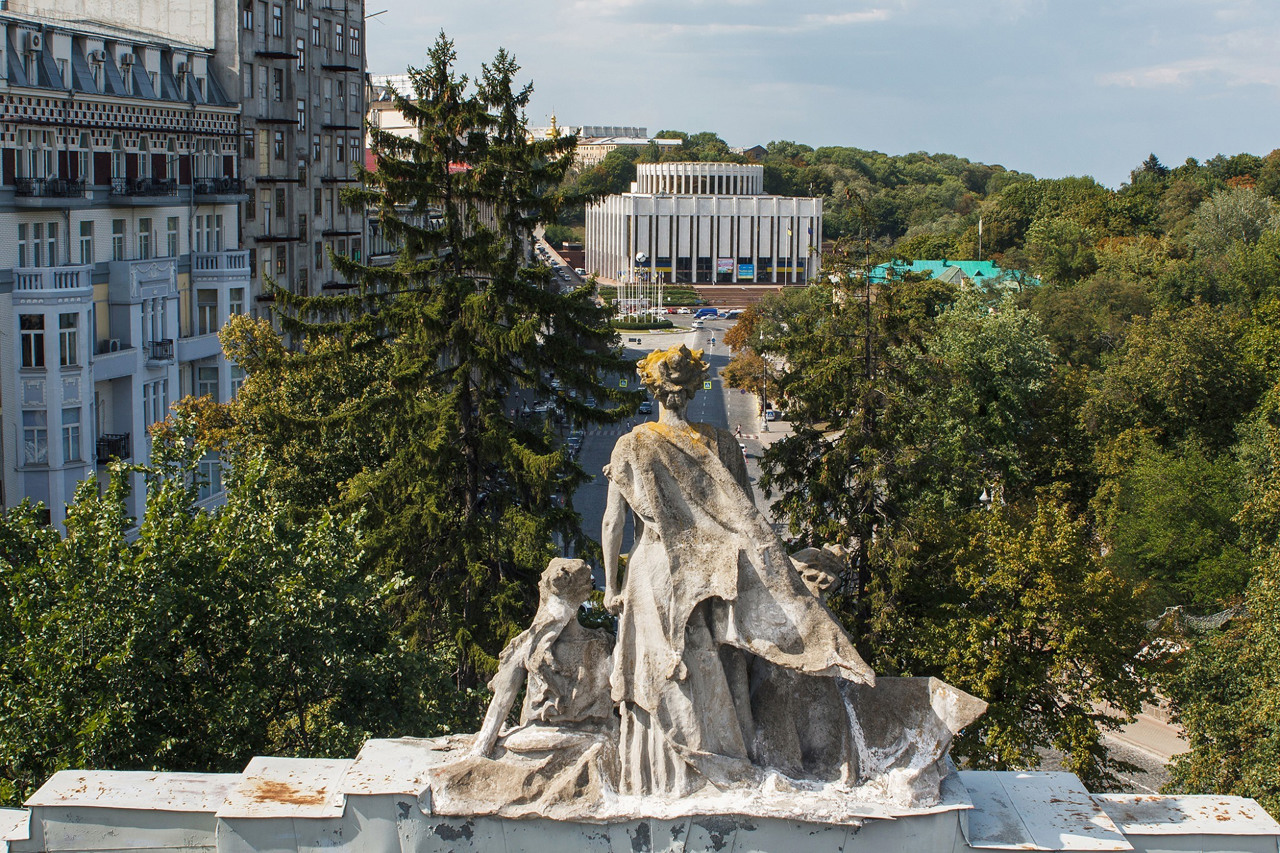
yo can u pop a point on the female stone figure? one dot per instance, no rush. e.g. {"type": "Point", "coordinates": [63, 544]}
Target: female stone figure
{"type": "Point", "coordinates": [708, 591]}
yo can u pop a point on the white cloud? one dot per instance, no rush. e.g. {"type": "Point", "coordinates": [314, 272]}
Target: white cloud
{"type": "Point", "coordinates": [1241, 58]}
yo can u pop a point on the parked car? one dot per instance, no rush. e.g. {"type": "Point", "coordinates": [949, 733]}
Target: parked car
{"type": "Point", "coordinates": [771, 414]}
{"type": "Point", "coordinates": [706, 312]}
{"type": "Point", "coordinates": [580, 271]}
{"type": "Point", "coordinates": [683, 311]}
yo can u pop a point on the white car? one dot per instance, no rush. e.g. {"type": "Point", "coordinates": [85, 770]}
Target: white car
{"type": "Point", "coordinates": [699, 324]}
{"type": "Point", "coordinates": [683, 311]}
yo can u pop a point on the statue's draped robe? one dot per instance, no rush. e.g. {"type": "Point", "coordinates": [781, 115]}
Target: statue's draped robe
{"type": "Point", "coordinates": [707, 576]}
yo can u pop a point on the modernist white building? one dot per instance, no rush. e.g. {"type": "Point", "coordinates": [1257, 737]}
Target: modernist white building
{"type": "Point", "coordinates": [704, 223]}
{"type": "Point", "coordinates": [119, 247]}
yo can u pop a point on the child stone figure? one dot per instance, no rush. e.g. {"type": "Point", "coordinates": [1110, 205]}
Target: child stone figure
{"type": "Point", "coordinates": [566, 666]}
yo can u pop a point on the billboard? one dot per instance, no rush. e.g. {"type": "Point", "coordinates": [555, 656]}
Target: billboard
{"type": "Point", "coordinates": [724, 266]}
{"type": "Point", "coordinates": [746, 270]}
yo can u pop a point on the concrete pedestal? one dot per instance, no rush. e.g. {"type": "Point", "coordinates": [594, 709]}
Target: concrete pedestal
{"type": "Point", "coordinates": [381, 801]}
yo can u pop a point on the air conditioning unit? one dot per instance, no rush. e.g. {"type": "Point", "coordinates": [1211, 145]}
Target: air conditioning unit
{"type": "Point", "coordinates": [181, 69]}
{"type": "Point", "coordinates": [126, 59]}
{"type": "Point", "coordinates": [35, 42]}
{"type": "Point", "coordinates": [113, 345]}
{"type": "Point", "coordinates": [97, 56]}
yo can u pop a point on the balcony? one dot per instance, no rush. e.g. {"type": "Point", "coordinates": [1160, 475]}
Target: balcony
{"type": "Point", "coordinates": [219, 189]}
{"type": "Point", "coordinates": [144, 190]}
{"type": "Point", "coordinates": [160, 351]}
{"type": "Point", "coordinates": [49, 192]}
{"type": "Point", "coordinates": [54, 281]}
{"type": "Point", "coordinates": [113, 446]}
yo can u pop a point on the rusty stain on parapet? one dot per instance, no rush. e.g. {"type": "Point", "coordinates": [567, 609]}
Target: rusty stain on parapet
{"type": "Point", "coordinates": [287, 788]}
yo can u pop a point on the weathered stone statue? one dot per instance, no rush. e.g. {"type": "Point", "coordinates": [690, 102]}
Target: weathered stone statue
{"type": "Point", "coordinates": [564, 748]}
{"type": "Point", "coordinates": [708, 591]}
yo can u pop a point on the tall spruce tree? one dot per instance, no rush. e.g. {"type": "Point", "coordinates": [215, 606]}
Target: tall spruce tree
{"type": "Point", "coordinates": [467, 496]}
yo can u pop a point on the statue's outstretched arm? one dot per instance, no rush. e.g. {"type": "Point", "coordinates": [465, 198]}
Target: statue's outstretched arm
{"type": "Point", "coordinates": [505, 686]}
{"type": "Point", "coordinates": [615, 517]}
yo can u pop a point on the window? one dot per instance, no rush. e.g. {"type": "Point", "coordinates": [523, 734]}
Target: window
{"type": "Point", "coordinates": [210, 477]}
{"type": "Point", "coordinates": [280, 203]}
{"type": "Point", "coordinates": [315, 32]}
{"type": "Point", "coordinates": [278, 148]}
{"type": "Point", "coordinates": [282, 261]}
{"type": "Point", "coordinates": [315, 147]}
{"type": "Point", "coordinates": [216, 244]}
{"type": "Point", "coordinates": [251, 208]}
{"type": "Point", "coordinates": [199, 233]}
{"type": "Point", "coordinates": [337, 38]}
{"type": "Point", "coordinates": [246, 18]}
{"type": "Point", "coordinates": [22, 243]}
{"type": "Point", "coordinates": [155, 400]}
{"type": "Point", "coordinates": [117, 239]}
{"type": "Point", "coordinates": [144, 238]}
{"type": "Point", "coordinates": [355, 249]}
{"type": "Point", "coordinates": [68, 340]}
{"type": "Point", "coordinates": [51, 242]}
{"type": "Point", "coordinates": [302, 115]}
{"type": "Point", "coordinates": [339, 151]}
{"type": "Point", "coordinates": [235, 300]}
{"type": "Point", "coordinates": [277, 84]}
{"type": "Point", "coordinates": [300, 46]}
{"type": "Point", "coordinates": [32, 327]}
{"type": "Point", "coordinates": [171, 237]}
{"type": "Point", "coordinates": [35, 438]}
{"type": "Point", "coordinates": [237, 378]}
{"type": "Point", "coordinates": [246, 80]}
{"type": "Point", "coordinates": [355, 41]}
{"type": "Point", "coordinates": [319, 255]}
{"type": "Point", "coordinates": [317, 195]}
{"type": "Point", "coordinates": [207, 382]}
{"type": "Point", "coordinates": [86, 242]}
{"type": "Point", "coordinates": [71, 435]}
{"type": "Point", "coordinates": [277, 21]}
{"type": "Point", "coordinates": [249, 152]}
{"type": "Point", "coordinates": [301, 5]}
{"type": "Point", "coordinates": [253, 262]}
{"type": "Point", "coordinates": [206, 313]}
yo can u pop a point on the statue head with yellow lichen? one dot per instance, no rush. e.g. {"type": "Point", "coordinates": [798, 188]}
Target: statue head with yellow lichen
{"type": "Point", "coordinates": [673, 375]}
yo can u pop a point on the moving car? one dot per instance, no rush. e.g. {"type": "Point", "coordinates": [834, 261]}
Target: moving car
{"type": "Point", "coordinates": [706, 312]}
{"type": "Point", "coordinates": [646, 408]}
{"type": "Point", "coordinates": [699, 324]}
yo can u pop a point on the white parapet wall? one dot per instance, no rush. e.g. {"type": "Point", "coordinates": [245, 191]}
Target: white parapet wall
{"type": "Point", "coordinates": [381, 801]}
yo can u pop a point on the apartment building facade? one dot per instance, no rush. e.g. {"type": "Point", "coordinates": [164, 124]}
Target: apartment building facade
{"type": "Point", "coordinates": [299, 65]}
{"type": "Point", "coordinates": [120, 257]}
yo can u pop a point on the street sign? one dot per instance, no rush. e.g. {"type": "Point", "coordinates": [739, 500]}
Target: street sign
{"type": "Point", "coordinates": [622, 383]}
{"type": "Point", "coordinates": [706, 385]}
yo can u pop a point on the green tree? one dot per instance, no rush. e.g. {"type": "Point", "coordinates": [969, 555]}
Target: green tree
{"type": "Point", "coordinates": [1014, 605]}
{"type": "Point", "coordinates": [1178, 375]}
{"type": "Point", "coordinates": [1232, 214]}
{"type": "Point", "coordinates": [1060, 250]}
{"type": "Point", "coordinates": [197, 639]}
{"type": "Point", "coordinates": [463, 501]}
{"type": "Point", "coordinates": [1170, 521]}
{"type": "Point", "coordinates": [1225, 688]}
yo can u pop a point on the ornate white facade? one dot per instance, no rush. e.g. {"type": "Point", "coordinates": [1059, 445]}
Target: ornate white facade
{"type": "Point", "coordinates": [704, 223]}
{"type": "Point", "coordinates": [120, 258]}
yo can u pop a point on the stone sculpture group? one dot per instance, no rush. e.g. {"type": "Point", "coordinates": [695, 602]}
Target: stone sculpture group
{"type": "Point", "coordinates": [728, 673]}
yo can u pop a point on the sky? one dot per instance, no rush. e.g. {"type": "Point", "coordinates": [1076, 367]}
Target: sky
{"type": "Point", "coordinates": [1050, 87]}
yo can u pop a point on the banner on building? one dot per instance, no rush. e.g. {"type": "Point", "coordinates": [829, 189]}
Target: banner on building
{"type": "Point", "coordinates": [746, 270]}
{"type": "Point", "coordinates": [724, 266]}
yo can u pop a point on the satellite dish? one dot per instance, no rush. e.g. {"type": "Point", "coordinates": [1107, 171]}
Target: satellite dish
{"type": "Point", "coordinates": [641, 258]}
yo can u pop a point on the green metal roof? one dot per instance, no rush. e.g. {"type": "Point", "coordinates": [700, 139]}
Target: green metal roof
{"type": "Point", "coordinates": [982, 274]}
